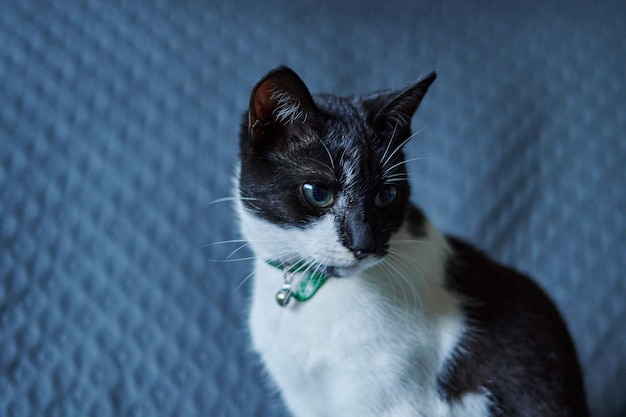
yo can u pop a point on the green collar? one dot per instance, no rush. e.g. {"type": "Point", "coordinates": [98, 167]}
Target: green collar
{"type": "Point", "coordinates": [305, 288]}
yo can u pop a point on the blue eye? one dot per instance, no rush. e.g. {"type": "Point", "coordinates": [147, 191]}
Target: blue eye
{"type": "Point", "coordinates": [386, 197]}
{"type": "Point", "coordinates": [318, 195]}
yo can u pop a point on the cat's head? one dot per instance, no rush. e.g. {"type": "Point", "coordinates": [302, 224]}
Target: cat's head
{"type": "Point", "coordinates": [322, 177]}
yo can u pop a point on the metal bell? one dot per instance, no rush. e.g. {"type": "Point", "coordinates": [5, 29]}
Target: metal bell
{"type": "Point", "coordinates": [283, 295]}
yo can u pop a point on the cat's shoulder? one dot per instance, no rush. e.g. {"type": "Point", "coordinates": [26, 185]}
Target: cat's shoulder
{"type": "Point", "coordinates": [473, 273]}
{"type": "Point", "coordinates": [515, 337]}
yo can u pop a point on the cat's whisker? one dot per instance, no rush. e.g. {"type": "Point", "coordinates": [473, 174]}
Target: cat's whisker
{"type": "Point", "coordinates": [330, 157]}
{"type": "Point", "coordinates": [413, 264]}
{"type": "Point", "coordinates": [311, 264]}
{"type": "Point", "coordinates": [248, 258]}
{"type": "Point", "coordinates": [227, 199]}
{"type": "Point", "coordinates": [224, 242]}
{"type": "Point", "coordinates": [399, 147]}
{"type": "Point", "coordinates": [237, 250]}
{"type": "Point", "coordinates": [393, 135]}
{"type": "Point", "coordinates": [255, 208]}
{"type": "Point", "coordinates": [397, 175]}
{"type": "Point", "coordinates": [294, 259]}
{"type": "Point", "coordinates": [384, 272]}
{"type": "Point", "coordinates": [406, 161]}
{"type": "Point", "coordinates": [251, 241]}
{"type": "Point", "coordinates": [394, 273]}
{"type": "Point", "coordinates": [321, 163]}
{"type": "Point", "coordinates": [298, 259]}
{"type": "Point", "coordinates": [398, 178]}
{"type": "Point", "coordinates": [314, 266]}
{"type": "Point", "coordinates": [398, 272]}
{"type": "Point", "coordinates": [246, 279]}
{"type": "Point", "coordinates": [415, 241]}
{"type": "Point", "coordinates": [343, 154]}
{"type": "Point", "coordinates": [396, 181]}
{"type": "Point", "coordinates": [394, 263]}
{"type": "Point", "coordinates": [270, 255]}
{"type": "Point", "coordinates": [398, 255]}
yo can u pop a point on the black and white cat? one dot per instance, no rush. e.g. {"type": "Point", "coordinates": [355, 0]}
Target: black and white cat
{"type": "Point", "coordinates": [360, 307]}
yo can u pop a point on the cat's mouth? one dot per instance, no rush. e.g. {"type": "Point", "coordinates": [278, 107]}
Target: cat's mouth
{"type": "Point", "coordinates": [339, 272]}
{"type": "Point", "coordinates": [351, 270]}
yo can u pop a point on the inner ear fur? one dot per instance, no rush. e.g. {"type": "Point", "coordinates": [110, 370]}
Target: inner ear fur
{"type": "Point", "coordinates": [400, 105]}
{"type": "Point", "coordinates": [279, 100]}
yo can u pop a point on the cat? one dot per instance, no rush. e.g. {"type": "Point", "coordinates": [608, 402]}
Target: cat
{"type": "Point", "coordinates": [360, 306]}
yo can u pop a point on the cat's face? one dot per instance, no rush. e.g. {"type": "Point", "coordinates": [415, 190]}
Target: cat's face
{"type": "Point", "coordinates": [323, 178]}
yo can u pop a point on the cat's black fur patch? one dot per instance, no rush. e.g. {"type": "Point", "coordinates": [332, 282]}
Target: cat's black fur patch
{"type": "Point", "coordinates": [517, 346]}
{"type": "Point", "coordinates": [416, 220]}
{"type": "Point", "coordinates": [352, 145]}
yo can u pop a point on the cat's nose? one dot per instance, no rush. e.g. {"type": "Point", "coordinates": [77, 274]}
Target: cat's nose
{"type": "Point", "coordinates": [358, 236]}
{"type": "Point", "coordinates": [362, 247]}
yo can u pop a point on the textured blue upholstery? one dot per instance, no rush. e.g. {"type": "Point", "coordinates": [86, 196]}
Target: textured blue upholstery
{"type": "Point", "coordinates": [118, 128]}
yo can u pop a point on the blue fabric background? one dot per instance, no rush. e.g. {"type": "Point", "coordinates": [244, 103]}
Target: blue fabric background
{"type": "Point", "coordinates": [118, 128]}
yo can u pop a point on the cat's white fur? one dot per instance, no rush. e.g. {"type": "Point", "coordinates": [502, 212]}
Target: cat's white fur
{"type": "Point", "coordinates": [365, 345]}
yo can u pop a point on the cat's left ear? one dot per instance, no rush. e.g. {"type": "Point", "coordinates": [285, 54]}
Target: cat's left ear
{"type": "Point", "coordinates": [398, 107]}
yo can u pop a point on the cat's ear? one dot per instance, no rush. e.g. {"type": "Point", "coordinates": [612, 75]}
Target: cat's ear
{"type": "Point", "coordinates": [398, 107]}
{"type": "Point", "coordinates": [280, 100]}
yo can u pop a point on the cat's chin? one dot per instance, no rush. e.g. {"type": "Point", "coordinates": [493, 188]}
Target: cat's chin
{"type": "Point", "coordinates": [354, 269]}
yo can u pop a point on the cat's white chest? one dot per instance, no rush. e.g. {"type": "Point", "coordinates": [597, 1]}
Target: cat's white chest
{"type": "Point", "coordinates": [358, 348]}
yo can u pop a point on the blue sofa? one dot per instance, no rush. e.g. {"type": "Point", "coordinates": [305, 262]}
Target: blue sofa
{"type": "Point", "coordinates": [118, 139]}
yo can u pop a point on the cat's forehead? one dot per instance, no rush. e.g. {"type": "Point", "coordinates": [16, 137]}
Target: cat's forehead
{"type": "Point", "coordinates": [348, 154]}
{"type": "Point", "coordinates": [344, 114]}
{"type": "Point", "coordinates": [344, 127]}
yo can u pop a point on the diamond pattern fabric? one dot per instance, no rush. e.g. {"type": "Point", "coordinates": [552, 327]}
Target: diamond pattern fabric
{"type": "Point", "coordinates": [118, 138]}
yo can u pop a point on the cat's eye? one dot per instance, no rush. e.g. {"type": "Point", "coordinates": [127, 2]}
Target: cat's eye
{"type": "Point", "coordinates": [318, 195]}
{"type": "Point", "coordinates": [386, 197]}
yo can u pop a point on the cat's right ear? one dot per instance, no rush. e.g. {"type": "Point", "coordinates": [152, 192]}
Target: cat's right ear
{"type": "Point", "coordinates": [398, 107]}
{"type": "Point", "coordinates": [278, 102]}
